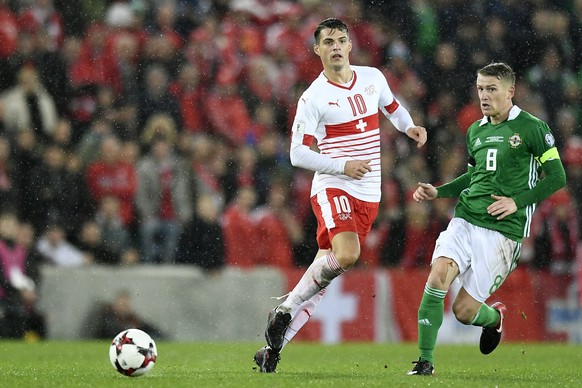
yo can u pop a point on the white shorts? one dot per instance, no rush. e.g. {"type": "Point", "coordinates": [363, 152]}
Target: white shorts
{"type": "Point", "coordinates": [485, 257]}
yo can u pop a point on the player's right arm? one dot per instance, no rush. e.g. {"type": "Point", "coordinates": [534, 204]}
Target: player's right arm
{"type": "Point", "coordinates": [453, 189]}
{"type": "Point", "coordinates": [303, 156]}
{"type": "Point", "coordinates": [303, 136]}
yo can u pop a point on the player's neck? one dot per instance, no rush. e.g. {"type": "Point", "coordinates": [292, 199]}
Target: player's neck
{"type": "Point", "coordinates": [341, 76]}
{"type": "Point", "coordinates": [500, 117]}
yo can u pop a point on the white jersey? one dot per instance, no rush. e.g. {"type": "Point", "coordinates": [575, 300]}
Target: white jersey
{"type": "Point", "coordinates": [344, 121]}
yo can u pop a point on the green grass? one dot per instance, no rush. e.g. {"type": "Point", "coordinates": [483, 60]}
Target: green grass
{"type": "Point", "coordinates": [86, 364]}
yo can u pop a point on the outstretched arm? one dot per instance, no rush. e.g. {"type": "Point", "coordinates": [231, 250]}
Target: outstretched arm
{"type": "Point", "coordinates": [403, 122]}
{"type": "Point", "coordinates": [418, 134]}
{"type": "Point", "coordinates": [424, 192]}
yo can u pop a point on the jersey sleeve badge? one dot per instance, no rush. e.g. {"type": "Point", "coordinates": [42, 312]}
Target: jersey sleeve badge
{"type": "Point", "coordinates": [299, 128]}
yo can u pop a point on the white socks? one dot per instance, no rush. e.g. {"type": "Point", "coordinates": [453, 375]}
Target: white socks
{"type": "Point", "coordinates": [318, 276]}
{"type": "Point", "coordinates": [302, 316]}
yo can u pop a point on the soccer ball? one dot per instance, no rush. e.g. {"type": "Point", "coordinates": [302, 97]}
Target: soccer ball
{"type": "Point", "coordinates": [133, 352]}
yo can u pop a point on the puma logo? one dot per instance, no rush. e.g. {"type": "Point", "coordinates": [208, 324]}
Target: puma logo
{"type": "Point", "coordinates": [334, 103]}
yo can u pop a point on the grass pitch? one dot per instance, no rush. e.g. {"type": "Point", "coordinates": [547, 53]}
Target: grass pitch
{"type": "Point", "coordinates": [86, 364]}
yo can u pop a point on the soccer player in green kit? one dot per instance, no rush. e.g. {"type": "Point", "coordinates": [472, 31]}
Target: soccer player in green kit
{"type": "Point", "coordinates": [508, 148]}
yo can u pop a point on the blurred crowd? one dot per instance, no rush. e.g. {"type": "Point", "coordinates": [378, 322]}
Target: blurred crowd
{"type": "Point", "coordinates": [157, 131]}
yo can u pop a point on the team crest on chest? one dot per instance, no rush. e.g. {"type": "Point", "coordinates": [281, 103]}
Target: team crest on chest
{"type": "Point", "coordinates": [514, 140]}
{"type": "Point", "coordinates": [370, 90]}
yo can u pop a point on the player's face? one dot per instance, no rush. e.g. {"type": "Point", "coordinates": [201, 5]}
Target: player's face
{"type": "Point", "coordinates": [494, 97]}
{"type": "Point", "coordinates": [333, 48]}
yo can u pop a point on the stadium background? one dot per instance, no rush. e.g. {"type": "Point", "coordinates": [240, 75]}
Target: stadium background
{"type": "Point", "coordinates": [218, 81]}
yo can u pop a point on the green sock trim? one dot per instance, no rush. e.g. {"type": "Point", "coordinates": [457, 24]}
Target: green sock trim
{"type": "Point", "coordinates": [430, 318]}
{"type": "Point", "coordinates": [487, 316]}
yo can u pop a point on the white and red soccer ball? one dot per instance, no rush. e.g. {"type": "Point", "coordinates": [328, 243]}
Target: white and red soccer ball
{"type": "Point", "coordinates": [133, 352]}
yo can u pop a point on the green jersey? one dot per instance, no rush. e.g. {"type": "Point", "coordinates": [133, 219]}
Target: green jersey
{"type": "Point", "coordinates": [505, 160]}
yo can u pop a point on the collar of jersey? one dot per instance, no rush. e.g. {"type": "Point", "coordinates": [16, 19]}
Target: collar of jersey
{"type": "Point", "coordinates": [348, 85]}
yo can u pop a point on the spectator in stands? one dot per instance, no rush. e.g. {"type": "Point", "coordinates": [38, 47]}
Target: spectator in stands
{"type": "Point", "coordinates": [120, 111]}
{"type": "Point", "coordinates": [90, 241]}
{"type": "Point", "coordinates": [116, 236]}
{"type": "Point", "coordinates": [163, 201]}
{"type": "Point", "coordinates": [156, 97]}
{"type": "Point", "coordinates": [164, 23]}
{"type": "Point", "coordinates": [278, 227]}
{"type": "Point", "coordinates": [9, 31]}
{"type": "Point", "coordinates": [159, 125]}
{"type": "Point", "coordinates": [202, 240]}
{"type": "Point", "coordinates": [191, 96]}
{"type": "Point", "coordinates": [555, 235]}
{"type": "Point", "coordinates": [56, 249]}
{"type": "Point", "coordinates": [114, 317]}
{"type": "Point", "coordinates": [391, 216]}
{"type": "Point", "coordinates": [446, 69]}
{"type": "Point", "coordinates": [93, 64]}
{"type": "Point", "coordinates": [497, 39]}
{"type": "Point", "coordinates": [264, 119]}
{"type": "Point", "coordinates": [42, 16]}
{"type": "Point", "coordinates": [209, 167]}
{"type": "Point", "coordinates": [576, 34]}
{"type": "Point", "coordinates": [26, 237]}
{"type": "Point", "coordinates": [28, 105]}
{"type": "Point", "coordinates": [202, 49]}
{"type": "Point", "coordinates": [20, 317]}
{"type": "Point", "coordinates": [573, 162]}
{"type": "Point", "coordinates": [8, 193]}
{"type": "Point", "coordinates": [227, 111]}
{"type": "Point", "coordinates": [548, 77]}
{"type": "Point", "coordinates": [52, 194]}
{"type": "Point", "coordinates": [258, 86]}
{"type": "Point", "coordinates": [89, 145]}
{"type": "Point", "coordinates": [62, 135]}
{"type": "Point", "coordinates": [125, 71]}
{"type": "Point", "coordinates": [239, 229]}
{"type": "Point", "coordinates": [408, 86]}
{"type": "Point", "coordinates": [112, 175]}
{"type": "Point", "coordinates": [271, 160]}
{"type": "Point", "coordinates": [418, 228]}
{"type": "Point", "coordinates": [26, 156]}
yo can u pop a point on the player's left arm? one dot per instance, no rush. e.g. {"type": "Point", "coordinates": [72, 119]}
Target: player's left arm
{"type": "Point", "coordinates": [399, 115]}
{"type": "Point", "coordinates": [554, 179]}
{"type": "Point", "coordinates": [401, 119]}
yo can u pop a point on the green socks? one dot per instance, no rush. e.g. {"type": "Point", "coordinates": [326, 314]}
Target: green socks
{"type": "Point", "coordinates": [486, 316]}
{"type": "Point", "coordinates": [430, 318]}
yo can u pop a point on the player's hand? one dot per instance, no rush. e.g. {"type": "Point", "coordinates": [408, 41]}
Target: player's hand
{"type": "Point", "coordinates": [418, 134]}
{"type": "Point", "coordinates": [502, 207]}
{"type": "Point", "coordinates": [424, 192]}
{"type": "Point", "coordinates": [357, 168]}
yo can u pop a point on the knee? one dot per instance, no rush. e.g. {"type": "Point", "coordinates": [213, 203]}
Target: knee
{"type": "Point", "coordinates": [347, 256]}
{"type": "Point", "coordinates": [464, 313]}
{"type": "Point", "coordinates": [440, 274]}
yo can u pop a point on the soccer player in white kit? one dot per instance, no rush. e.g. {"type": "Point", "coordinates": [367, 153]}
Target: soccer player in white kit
{"type": "Point", "coordinates": [339, 114]}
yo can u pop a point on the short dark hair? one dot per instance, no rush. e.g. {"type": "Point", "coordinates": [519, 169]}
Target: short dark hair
{"type": "Point", "coordinates": [501, 71]}
{"type": "Point", "coordinates": [331, 23]}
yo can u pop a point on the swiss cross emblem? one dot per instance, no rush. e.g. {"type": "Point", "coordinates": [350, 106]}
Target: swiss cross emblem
{"type": "Point", "coordinates": [361, 125]}
{"type": "Point", "coordinates": [370, 90]}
